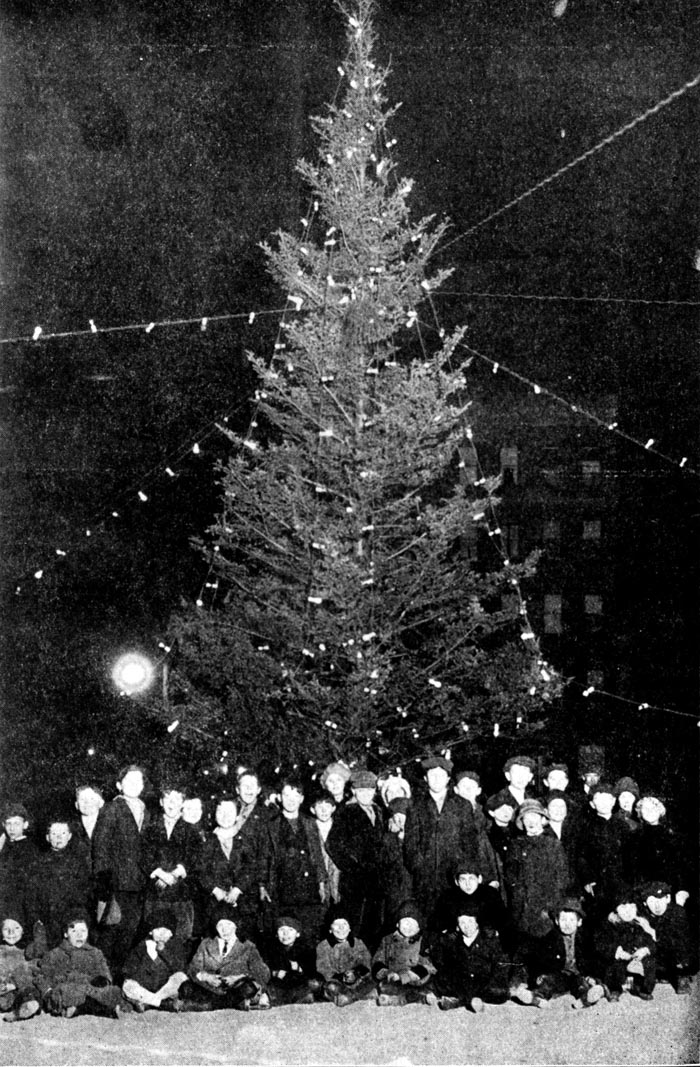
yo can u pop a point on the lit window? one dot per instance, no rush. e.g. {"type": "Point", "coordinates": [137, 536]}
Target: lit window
{"type": "Point", "coordinates": [552, 613]}
{"type": "Point", "coordinates": [590, 471]}
{"type": "Point", "coordinates": [592, 530]}
{"type": "Point", "coordinates": [551, 531]}
{"type": "Point", "coordinates": [593, 605]}
{"type": "Point", "coordinates": [509, 464]}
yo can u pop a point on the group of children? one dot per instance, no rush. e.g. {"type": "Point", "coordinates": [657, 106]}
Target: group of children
{"type": "Point", "coordinates": [376, 891]}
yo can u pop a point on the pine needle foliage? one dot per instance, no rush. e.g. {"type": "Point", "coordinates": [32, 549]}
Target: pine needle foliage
{"type": "Point", "coordinates": [349, 620]}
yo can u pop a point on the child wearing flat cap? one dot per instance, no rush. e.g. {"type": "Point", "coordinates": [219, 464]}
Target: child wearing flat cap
{"type": "Point", "coordinates": [471, 967]}
{"type": "Point", "coordinates": [676, 954]}
{"type": "Point", "coordinates": [343, 962]}
{"type": "Point", "coordinates": [564, 961]}
{"type": "Point", "coordinates": [519, 772]}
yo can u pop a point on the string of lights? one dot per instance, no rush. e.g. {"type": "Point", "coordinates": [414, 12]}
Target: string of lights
{"type": "Point", "coordinates": [563, 298]}
{"type": "Point", "coordinates": [692, 83]}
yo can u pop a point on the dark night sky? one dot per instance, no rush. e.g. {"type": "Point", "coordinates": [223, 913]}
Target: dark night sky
{"type": "Point", "coordinates": [149, 146]}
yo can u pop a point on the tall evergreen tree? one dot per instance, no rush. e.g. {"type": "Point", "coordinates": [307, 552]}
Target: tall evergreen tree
{"type": "Point", "coordinates": [349, 618]}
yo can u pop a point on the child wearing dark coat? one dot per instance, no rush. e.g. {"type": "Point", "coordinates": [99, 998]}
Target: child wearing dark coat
{"type": "Point", "coordinates": [19, 996]}
{"type": "Point", "coordinates": [292, 964]}
{"type": "Point", "coordinates": [563, 961]}
{"type": "Point", "coordinates": [343, 961]}
{"type": "Point", "coordinates": [676, 956]}
{"type": "Point", "coordinates": [470, 965]}
{"type": "Point", "coordinates": [155, 969]}
{"type": "Point", "coordinates": [400, 966]}
{"type": "Point", "coordinates": [625, 943]}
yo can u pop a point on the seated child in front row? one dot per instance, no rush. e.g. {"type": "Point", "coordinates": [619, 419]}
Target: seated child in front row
{"type": "Point", "coordinates": [226, 972]}
{"type": "Point", "coordinates": [471, 966]}
{"type": "Point", "coordinates": [400, 966]}
{"type": "Point", "coordinates": [676, 955]}
{"type": "Point", "coordinates": [625, 942]}
{"type": "Point", "coordinates": [74, 978]}
{"type": "Point", "coordinates": [155, 969]}
{"type": "Point", "coordinates": [563, 961]}
{"type": "Point", "coordinates": [343, 961]}
{"type": "Point", "coordinates": [19, 996]}
{"type": "Point", "coordinates": [292, 964]}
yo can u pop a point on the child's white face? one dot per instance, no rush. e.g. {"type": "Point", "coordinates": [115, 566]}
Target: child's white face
{"type": "Point", "coordinates": [88, 802]}
{"type": "Point", "coordinates": [340, 928]}
{"type": "Point", "coordinates": [437, 779]}
{"type": "Point", "coordinates": [468, 881]}
{"type": "Point", "coordinates": [408, 927]}
{"type": "Point", "coordinates": [131, 785]}
{"type": "Point", "coordinates": [77, 935]}
{"type": "Point", "coordinates": [248, 788]}
{"type": "Point", "coordinates": [58, 836]}
{"type": "Point", "coordinates": [503, 815]}
{"type": "Point", "coordinates": [15, 827]}
{"type": "Point", "coordinates": [161, 935]}
{"type": "Point", "coordinates": [364, 796]}
{"type": "Point", "coordinates": [226, 929]}
{"type": "Point", "coordinates": [568, 922]}
{"type": "Point", "coordinates": [291, 799]}
{"type": "Point", "coordinates": [603, 803]}
{"type": "Point", "coordinates": [519, 775]}
{"type": "Point", "coordinates": [658, 905]}
{"type": "Point", "coordinates": [626, 800]}
{"type": "Point", "coordinates": [468, 926]}
{"type": "Point", "coordinates": [557, 780]}
{"type": "Point", "coordinates": [226, 814]}
{"type": "Point", "coordinates": [192, 810]}
{"type": "Point", "coordinates": [627, 911]}
{"type": "Point", "coordinates": [323, 810]}
{"type": "Point", "coordinates": [556, 809]}
{"type": "Point", "coordinates": [533, 823]}
{"type": "Point", "coordinates": [287, 935]}
{"type": "Point", "coordinates": [11, 931]}
{"type": "Point", "coordinates": [651, 810]}
{"type": "Point", "coordinates": [335, 784]}
{"type": "Point", "coordinates": [468, 789]}
{"type": "Point", "coordinates": [172, 804]}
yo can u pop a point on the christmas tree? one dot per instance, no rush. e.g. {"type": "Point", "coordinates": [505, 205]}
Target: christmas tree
{"type": "Point", "coordinates": [346, 615]}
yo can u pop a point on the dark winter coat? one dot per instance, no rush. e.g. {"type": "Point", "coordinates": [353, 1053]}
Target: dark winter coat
{"type": "Point", "coordinates": [279, 957]}
{"type": "Point", "coordinates": [117, 850]}
{"type": "Point", "coordinates": [549, 954]}
{"type": "Point", "coordinates": [536, 877]}
{"type": "Point", "coordinates": [569, 841]}
{"type": "Point", "coordinates": [401, 955]}
{"type": "Point", "coordinates": [291, 863]}
{"type": "Point", "coordinates": [435, 841]}
{"type": "Point", "coordinates": [63, 881]}
{"type": "Point", "coordinates": [243, 958]}
{"type": "Point", "coordinates": [492, 911]}
{"type": "Point", "coordinates": [18, 866]}
{"type": "Point", "coordinates": [354, 845]}
{"type": "Point", "coordinates": [656, 853]}
{"type": "Point", "coordinates": [612, 933]}
{"type": "Point", "coordinates": [219, 871]}
{"type": "Point", "coordinates": [463, 969]}
{"type": "Point", "coordinates": [601, 850]}
{"type": "Point", "coordinates": [394, 879]}
{"type": "Point", "coordinates": [674, 937]}
{"type": "Point", "coordinates": [152, 974]}
{"type": "Point", "coordinates": [182, 848]}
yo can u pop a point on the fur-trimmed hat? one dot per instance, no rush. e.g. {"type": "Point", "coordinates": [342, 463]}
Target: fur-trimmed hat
{"type": "Point", "coordinates": [626, 785]}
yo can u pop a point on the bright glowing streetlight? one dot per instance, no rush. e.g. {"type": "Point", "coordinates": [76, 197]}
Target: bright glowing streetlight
{"type": "Point", "coordinates": [133, 673]}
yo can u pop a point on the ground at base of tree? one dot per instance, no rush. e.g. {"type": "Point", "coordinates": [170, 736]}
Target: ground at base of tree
{"type": "Point", "coordinates": [664, 1031]}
